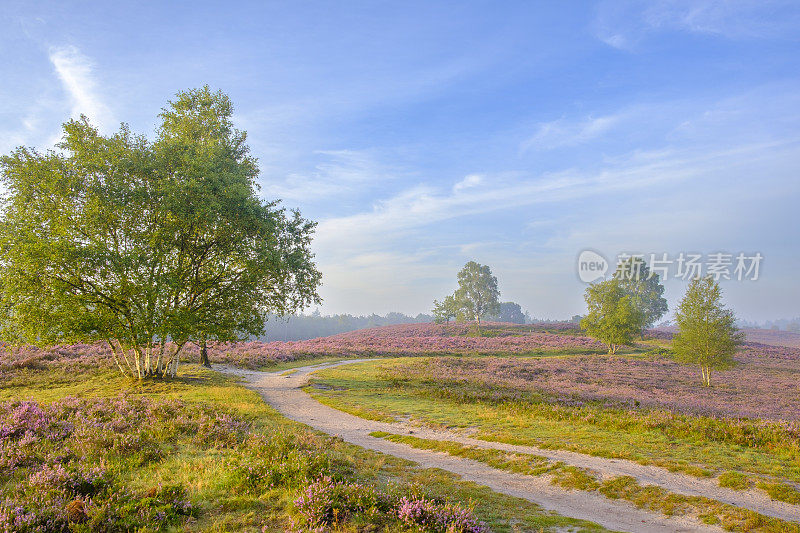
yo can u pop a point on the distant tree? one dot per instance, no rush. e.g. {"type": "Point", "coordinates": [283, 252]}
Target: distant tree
{"type": "Point", "coordinates": [477, 294]}
{"type": "Point", "coordinates": [644, 287]}
{"type": "Point", "coordinates": [445, 310]}
{"type": "Point", "coordinates": [613, 319]}
{"type": "Point", "coordinates": [510, 312]}
{"type": "Point", "coordinates": [134, 243]}
{"type": "Point", "coordinates": [707, 335]}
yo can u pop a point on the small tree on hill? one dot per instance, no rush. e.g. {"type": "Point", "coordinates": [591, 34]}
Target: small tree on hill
{"type": "Point", "coordinates": [707, 334]}
{"type": "Point", "coordinates": [644, 288]}
{"type": "Point", "coordinates": [445, 310]}
{"type": "Point", "coordinates": [613, 319]}
{"type": "Point", "coordinates": [477, 294]}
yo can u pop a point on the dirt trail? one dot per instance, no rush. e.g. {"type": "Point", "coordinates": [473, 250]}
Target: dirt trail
{"type": "Point", "coordinates": [282, 391]}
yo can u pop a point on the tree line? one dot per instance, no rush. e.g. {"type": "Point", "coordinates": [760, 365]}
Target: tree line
{"type": "Point", "coordinates": [300, 327]}
{"type": "Point", "coordinates": [620, 309]}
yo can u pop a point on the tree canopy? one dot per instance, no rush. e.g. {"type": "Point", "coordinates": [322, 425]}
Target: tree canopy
{"type": "Point", "coordinates": [148, 245]}
{"type": "Point", "coordinates": [613, 318]}
{"type": "Point", "coordinates": [445, 310]}
{"type": "Point", "coordinates": [707, 334]}
{"type": "Point", "coordinates": [644, 288]}
{"type": "Point", "coordinates": [475, 298]}
{"type": "Point", "coordinates": [477, 294]}
{"type": "Point", "coordinates": [510, 312]}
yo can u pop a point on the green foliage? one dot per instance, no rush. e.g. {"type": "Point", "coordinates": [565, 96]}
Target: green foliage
{"type": "Point", "coordinates": [707, 334]}
{"type": "Point", "coordinates": [445, 310]}
{"type": "Point", "coordinates": [476, 297]}
{"type": "Point", "coordinates": [477, 294]}
{"type": "Point", "coordinates": [613, 317]}
{"type": "Point", "coordinates": [510, 312]}
{"type": "Point", "coordinates": [644, 287]}
{"type": "Point", "coordinates": [122, 240]}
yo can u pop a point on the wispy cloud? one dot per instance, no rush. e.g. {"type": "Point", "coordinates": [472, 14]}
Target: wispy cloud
{"type": "Point", "coordinates": [77, 76]}
{"type": "Point", "coordinates": [423, 206]}
{"type": "Point", "coordinates": [336, 172]}
{"type": "Point", "coordinates": [624, 25]}
{"type": "Point", "coordinates": [560, 133]}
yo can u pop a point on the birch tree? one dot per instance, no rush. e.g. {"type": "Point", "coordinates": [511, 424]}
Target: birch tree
{"type": "Point", "coordinates": [477, 294]}
{"type": "Point", "coordinates": [613, 318]}
{"type": "Point", "coordinates": [147, 246]}
{"type": "Point", "coordinates": [707, 334]}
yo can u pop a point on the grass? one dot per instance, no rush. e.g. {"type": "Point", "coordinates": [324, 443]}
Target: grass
{"type": "Point", "coordinates": [781, 492]}
{"type": "Point", "coordinates": [671, 442]}
{"type": "Point", "coordinates": [623, 487]}
{"type": "Point", "coordinates": [215, 486]}
{"type": "Point", "coordinates": [734, 480]}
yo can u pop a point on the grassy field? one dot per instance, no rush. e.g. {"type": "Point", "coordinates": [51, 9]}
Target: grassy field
{"type": "Point", "coordinates": [209, 455]}
{"type": "Point", "coordinates": [84, 449]}
{"type": "Point", "coordinates": [764, 452]}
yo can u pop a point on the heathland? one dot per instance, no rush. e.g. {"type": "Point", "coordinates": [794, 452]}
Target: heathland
{"type": "Point", "coordinates": [84, 448]}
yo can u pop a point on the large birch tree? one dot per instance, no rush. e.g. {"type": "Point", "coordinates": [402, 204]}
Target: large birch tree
{"type": "Point", "coordinates": [148, 245]}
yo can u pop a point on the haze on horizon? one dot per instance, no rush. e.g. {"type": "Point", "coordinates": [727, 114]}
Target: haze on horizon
{"type": "Point", "coordinates": [424, 135]}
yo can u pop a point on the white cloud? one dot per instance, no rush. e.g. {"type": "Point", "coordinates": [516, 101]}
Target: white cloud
{"type": "Point", "coordinates": [472, 180]}
{"type": "Point", "coordinates": [561, 133]}
{"type": "Point", "coordinates": [76, 73]}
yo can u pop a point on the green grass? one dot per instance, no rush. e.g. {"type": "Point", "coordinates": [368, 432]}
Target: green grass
{"type": "Point", "coordinates": [623, 487]}
{"type": "Point", "coordinates": [212, 482]}
{"type": "Point", "coordinates": [781, 492]}
{"type": "Point", "coordinates": [734, 480]}
{"type": "Point", "coordinates": [674, 443]}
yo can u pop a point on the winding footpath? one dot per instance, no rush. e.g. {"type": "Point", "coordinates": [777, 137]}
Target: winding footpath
{"type": "Point", "coordinates": [282, 390]}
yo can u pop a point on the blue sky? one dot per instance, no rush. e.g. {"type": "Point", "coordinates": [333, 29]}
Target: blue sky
{"type": "Point", "coordinates": [422, 135]}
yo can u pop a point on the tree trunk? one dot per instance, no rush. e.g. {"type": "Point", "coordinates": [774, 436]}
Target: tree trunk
{"type": "Point", "coordinates": [204, 354]}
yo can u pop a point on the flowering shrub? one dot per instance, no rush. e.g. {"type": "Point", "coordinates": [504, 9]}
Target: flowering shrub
{"type": "Point", "coordinates": [761, 384]}
{"type": "Point", "coordinates": [405, 339]}
{"type": "Point", "coordinates": [55, 461]}
{"type": "Point", "coordinates": [625, 393]}
{"type": "Point", "coordinates": [427, 515]}
{"type": "Point", "coordinates": [60, 465]}
{"type": "Point", "coordinates": [401, 339]}
{"type": "Point", "coordinates": [397, 340]}
{"type": "Point", "coordinates": [326, 502]}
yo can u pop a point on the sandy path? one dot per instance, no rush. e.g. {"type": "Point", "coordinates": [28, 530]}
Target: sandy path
{"type": "Point", "coordinates": [676, 482]}
{"type": "Point", "coordinates": [282, 391]}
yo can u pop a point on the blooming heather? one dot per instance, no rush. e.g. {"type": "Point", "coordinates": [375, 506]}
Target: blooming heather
{"type": "Point", "coordinates": [763, 384]}
{"type": "Point", "coordinates": [326, 502]}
